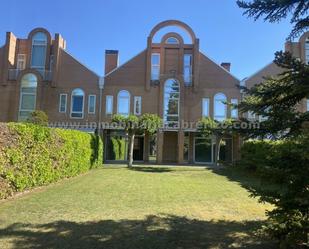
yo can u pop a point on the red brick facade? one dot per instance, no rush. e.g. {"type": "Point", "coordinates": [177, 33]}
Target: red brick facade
{"type": "Point", "coordinates": [199, 79]}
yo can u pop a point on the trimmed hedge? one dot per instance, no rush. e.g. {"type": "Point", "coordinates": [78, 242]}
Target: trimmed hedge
{"type": "Point", "coordinates": [32, 155]}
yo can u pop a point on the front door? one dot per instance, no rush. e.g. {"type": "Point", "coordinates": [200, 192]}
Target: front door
{"type": "Point", "coordinates": [170, 144]}
{"type": "Point", "coordinates": [138, 149]}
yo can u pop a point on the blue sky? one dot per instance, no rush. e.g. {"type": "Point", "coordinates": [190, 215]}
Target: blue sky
{"type": "Point", "coordinates": [90, 27]}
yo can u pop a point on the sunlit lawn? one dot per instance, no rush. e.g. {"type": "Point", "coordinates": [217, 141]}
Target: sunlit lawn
{"type": "Point", "coordinates": [145, 207]}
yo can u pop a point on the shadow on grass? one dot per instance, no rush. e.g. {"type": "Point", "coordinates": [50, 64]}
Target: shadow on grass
{"type": "Point", "coordinates": [150, 169]}
{"type": "Point", "coordinates": [154, 232]}
{"type": "Point", "coordinates": [255, 184]}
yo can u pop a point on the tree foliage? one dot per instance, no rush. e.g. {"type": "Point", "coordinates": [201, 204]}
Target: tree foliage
{"type": "Point", "coordinates": [276, 10]}
{"type": "Point", "coordinates": [39, 118]}
{"type": "Point", "coordinates": [133, 124]}
{"type": "Point", "coordinates": [208, 127]}
{"type": "Point", "coordinates": [277, 99]}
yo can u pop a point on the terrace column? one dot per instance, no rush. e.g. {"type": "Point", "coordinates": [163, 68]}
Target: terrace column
{"type": "Point", "coordinates": [180, 146]}
{"type": "Point", "coordinates": [191, 147]}
{"type": "Point", "coordinates": [160, 142]}
{"type": "Point", "coordinates": [146, 148]}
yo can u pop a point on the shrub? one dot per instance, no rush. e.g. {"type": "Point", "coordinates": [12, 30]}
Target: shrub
{"type": "Point", "coordinates": [38, 118]}
{"type": "Point", "coordinates": [36, 155]}
{"type": "Point", "coordinates": [119, 145]}
{"type": "Point", "coordinates": [285, 162]}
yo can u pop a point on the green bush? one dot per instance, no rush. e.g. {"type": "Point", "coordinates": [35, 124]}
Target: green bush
{"type": "Point", "coordinates": [285, 162]}
{"type": "Point", "coordinates": [39, 118]}
{"type": "Point", "coordinates": [119, 145]}
{"type": "Point", "coordinates": [34, 155]}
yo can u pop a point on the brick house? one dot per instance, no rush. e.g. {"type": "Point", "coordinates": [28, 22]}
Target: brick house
{"type": "Point", "coordinates": [171, 77]}
{"type": "Point", "coordinates": [38, 73]}
{"type": "Point", "coordinates": [300, 50]}
{"type": "Point", "coordinates": [174, 79]}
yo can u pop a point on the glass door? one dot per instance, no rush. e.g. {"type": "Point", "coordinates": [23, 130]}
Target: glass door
{"type": "Point", "coordinates": [202, 150]}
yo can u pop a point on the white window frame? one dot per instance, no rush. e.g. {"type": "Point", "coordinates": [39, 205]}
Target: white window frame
{"type": "Point", "coordinates": [66, 102]}
{"type": "Point", "coordinates": [21, 58]}
{"type": "Point", "coordinates": [138, 99]}
{"type": "Point", "coordinates": [82, 112]}
{"type": "Point", "coordinates": [129, 103]}
{"type": "Point", "coordinates": [187, 80]}
{"type": "Point", "coordinates": [205, 111]}
{"type": "Point", "coordinates": [109, 98]}
{"type": "Point", "coordinates": [225, 106]}
{"type": "Point", "coordinates": [155, 66]}
{"type": "Point", "coordinates": [95, 100]}
{"type": "Point", "coordinates": [234, 109]}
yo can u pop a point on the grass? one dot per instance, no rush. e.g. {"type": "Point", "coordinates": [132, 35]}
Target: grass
{"type": "Point", "coordinates": [144, 207]}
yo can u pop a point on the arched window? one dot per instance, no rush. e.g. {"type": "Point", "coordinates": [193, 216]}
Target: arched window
{"type": "Point", "coordinates": [38, 50]}
{"type": "Point", "coordinates": [219, 107]}
{"type": "Point", "coordinates": [27, 99]}
{"type": "Point", "coordinates": [307, 50]}
{"type": "Point", "coordinates": [171, 102]}
{"type": "Point", "coordinates": [77, 103]}
{"type": "Point", "coordinates": [123, 103]}
{"type": "Point", "coordinates": [172, 40]}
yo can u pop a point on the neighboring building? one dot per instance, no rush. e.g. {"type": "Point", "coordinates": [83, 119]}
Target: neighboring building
{"type": "Point", "coordinates": [171, 78]}
{"type": "Point", "coordinates": [299, 50]}
{"type": "Point", "coordinates": [179, 83]}
{"type": "Point", "coordinates": [38, 73]}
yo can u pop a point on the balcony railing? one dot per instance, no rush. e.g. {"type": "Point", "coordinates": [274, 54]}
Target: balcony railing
{"type": "Point", "coordinates": [46, 75]}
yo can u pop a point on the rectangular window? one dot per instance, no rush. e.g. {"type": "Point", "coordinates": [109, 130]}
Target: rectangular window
{"type": "Point", "coordinates": [77, 106]}
{"type": "Point", "coordinates": [38, 56]}
{"type": "Point", "coordinates": [63, 102]}
{"type": "Point", "coordinates": [91, 104]}
{"type": "Point", "coordinates": [155, 66]}
{"type": "Point", "coordinates": [21, 62]}
{"type": "Point", "coordinates": [307, 105]}
{"type": "Point", "coordinates": [205, 107]}
{"type": "Point", "coordinates": [187, 68]}
{"type": "Point", "coordinates": [137, 105]}
{"type": "Point", "coordinates": [234, 110]}
{"type": "Point", "coordinates": [109, 104]}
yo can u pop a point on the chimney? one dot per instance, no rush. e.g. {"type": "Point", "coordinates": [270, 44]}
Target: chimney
{"type": "Point", "coordinates": [226, 65]}
{"type": "Point", "coordinates": [111, 60]}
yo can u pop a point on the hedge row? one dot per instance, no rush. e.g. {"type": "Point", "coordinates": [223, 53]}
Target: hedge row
{"type": "Point", "coordinates": [32, 155]}
{"type": "Point", "coordinates": [271, 159]}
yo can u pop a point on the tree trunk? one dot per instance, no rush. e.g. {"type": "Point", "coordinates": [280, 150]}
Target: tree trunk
{"type": "Point", "coordinates": [217, 150]}
{"type": "Point", "coordinates": [131, 146]}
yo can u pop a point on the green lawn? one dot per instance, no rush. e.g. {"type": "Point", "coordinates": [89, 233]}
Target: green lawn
{"type": "Point", "coordinates": [146, 207]}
